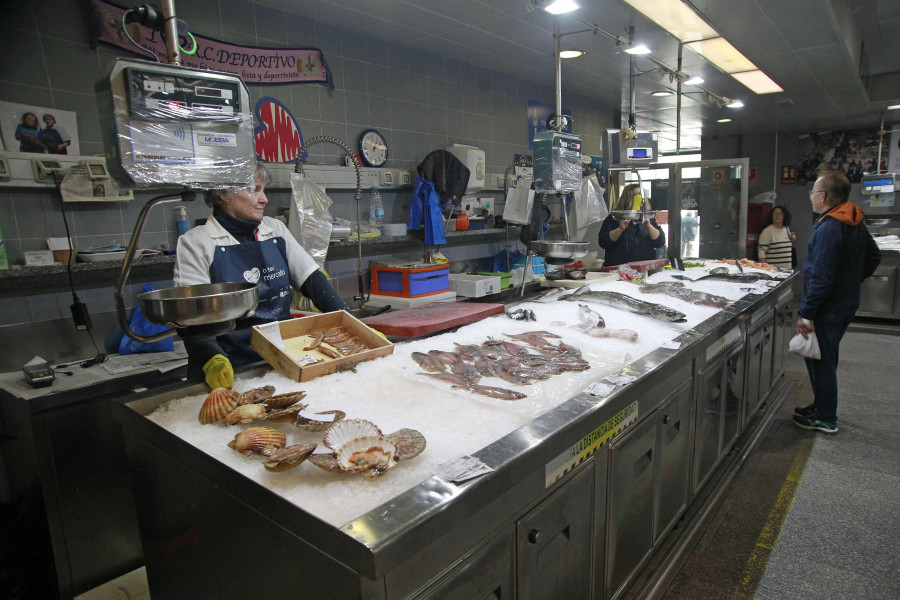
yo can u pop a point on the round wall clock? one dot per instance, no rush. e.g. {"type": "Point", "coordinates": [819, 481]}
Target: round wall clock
{"type": "Point", "coordinates": [373, 148]}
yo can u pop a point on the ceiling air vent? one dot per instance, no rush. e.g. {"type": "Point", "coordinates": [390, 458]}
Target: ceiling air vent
{"type": "Point", "coordinates": [786, 103]}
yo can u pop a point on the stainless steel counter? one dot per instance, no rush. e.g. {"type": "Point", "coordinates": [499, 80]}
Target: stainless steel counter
{"type": "Point", "coordinates": [63, 470]}
{"type": "Point", "coordinates": [563, 495]}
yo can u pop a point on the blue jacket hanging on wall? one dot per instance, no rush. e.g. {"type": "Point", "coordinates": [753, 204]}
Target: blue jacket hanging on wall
{"type": "Point", "coordinates": [426, 206]}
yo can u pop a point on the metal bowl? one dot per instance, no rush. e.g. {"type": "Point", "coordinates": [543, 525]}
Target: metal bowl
{"type": "Point", "coordinates": [633, 215]}
{"type": "Point", "coordinates": [556, 251]}
{"type": "Point", "coordinates": [190, 305]}
{"type": "Point", "coordinates": [627, 215]}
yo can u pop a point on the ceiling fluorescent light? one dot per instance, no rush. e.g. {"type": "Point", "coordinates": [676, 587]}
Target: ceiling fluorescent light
{"type": "Point", "coordinates": [638, 49]}
{"type": "Point", "coordinates": [758, 81]}
{"type": "Point", "coordinates": [661, 93]}
{"type": "Point", "coordinates": [694, 81]}
{"type": "Point", "coordinates": [893, 107]}
{"type": "Point", "coordinates": [560, 7]}
{"type": "Point", "coordinates": [675, 17]}
{"type": "Point", "coordinates": [723, 121]}
{"type": "Point", "coordinates": [735, 104]}
{"type": "Point", "coordinates": [571, 53]}
{"type": "Point", "coordinates": [721, 53]}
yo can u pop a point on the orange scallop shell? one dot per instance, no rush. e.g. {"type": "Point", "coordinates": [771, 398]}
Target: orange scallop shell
{"type": "Point", "coordinates": [258, 440]}
{"type": "Point", "coordinates": [218, 404]}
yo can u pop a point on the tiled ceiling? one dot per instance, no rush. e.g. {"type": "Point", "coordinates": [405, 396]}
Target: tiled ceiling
{"type": "Point", "coordinates": [838, 61]}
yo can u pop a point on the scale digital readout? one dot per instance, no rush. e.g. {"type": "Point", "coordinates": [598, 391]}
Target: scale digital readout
{"type": "Point", "coordinates": [878, 184]}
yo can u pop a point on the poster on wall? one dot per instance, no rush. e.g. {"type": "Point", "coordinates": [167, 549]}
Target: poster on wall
{"type": "Point", "coordinates": [853, 152]}
{"type": "Point", "coordinates": [538, 113]}
{"type": "Point", "coordinates": [32, 128]}
{"type": "Point", "coordinates": [893, 165]}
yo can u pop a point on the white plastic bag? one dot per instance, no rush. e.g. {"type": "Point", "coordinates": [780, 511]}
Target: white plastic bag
{"type": "Point", "coordinates": [310, 219]}
{"type": "Point", "coordinates": [807, 347]}
{"type": "Point", "coordinates": [588, 208]}
{"type": "Point", "coordinates": [519, 201]}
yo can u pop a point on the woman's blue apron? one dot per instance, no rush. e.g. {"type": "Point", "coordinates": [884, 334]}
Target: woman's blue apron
{"type": "Point", "coordinates": [265, 264]}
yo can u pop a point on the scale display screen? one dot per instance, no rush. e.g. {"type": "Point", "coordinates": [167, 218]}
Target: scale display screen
{"type": "Point", "coordinates": [878, 184]}
{"type": "Point", "coordinates": [640, 153]}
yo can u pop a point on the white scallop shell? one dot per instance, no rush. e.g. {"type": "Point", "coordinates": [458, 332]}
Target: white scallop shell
{"type": "Point", "coordinates": [348, 430]}
{"type": "Point", "coordinates": [372, 456]}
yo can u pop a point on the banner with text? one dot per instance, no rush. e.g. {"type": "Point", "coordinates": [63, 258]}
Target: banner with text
{"type": "Point", "coordinates": [253, 65]}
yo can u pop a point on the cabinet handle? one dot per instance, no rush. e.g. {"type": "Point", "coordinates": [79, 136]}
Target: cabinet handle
{"type": "Point", "coordinates": [533, 535]}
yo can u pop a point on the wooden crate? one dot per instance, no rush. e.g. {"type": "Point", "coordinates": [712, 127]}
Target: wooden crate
{"type": "Point", "coordinates": [294, 334]}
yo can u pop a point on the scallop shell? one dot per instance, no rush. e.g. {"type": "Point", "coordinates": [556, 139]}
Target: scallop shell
{"type": "Point", "coordinates": [326, 461]}
{"type": "Point", "coordinates": [246, 413]}
{"type": "Point", "coordinates": [371, 456]}
{"type": "Point", "coordinates": [409, 442]}
{"type": "Point", "coordinates": [284, 400]}
{"type": "Point", "coordinates": [256, 395]}
{"type": "Point", "coordinates": [285, 415]}
{"type": "Point", "coordinates": [259, 440]}
{"type": "Point", "coordinates": [349, 430]}
{"type": "Point", "coordinates": [308, 424]}
{"type": "Point", "coordinates": [288, 458]}
{"type": "Point", "coordinates": [218, 404]}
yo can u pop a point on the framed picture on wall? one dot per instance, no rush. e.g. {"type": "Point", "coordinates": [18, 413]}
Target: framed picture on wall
{"type": "Point", "coordinates": [32, 128]}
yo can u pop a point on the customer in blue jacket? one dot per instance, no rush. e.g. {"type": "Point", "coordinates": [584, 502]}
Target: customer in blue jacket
{"type": "Point", "coordinates": [841, 253]}
{"type": "Point", "coordinates": [626, 241]}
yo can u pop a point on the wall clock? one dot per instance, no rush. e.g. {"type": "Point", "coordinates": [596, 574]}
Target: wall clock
{"type": "Point", "coordinates": [373, 148]}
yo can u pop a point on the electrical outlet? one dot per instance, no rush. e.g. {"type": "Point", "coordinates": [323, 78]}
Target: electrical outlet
{"type": "Point", "coordinates": [405, 179]}
{"type": "Point", "coordinates": [500, 182]}
{"type": "Point", "coordinates": [387, 178]}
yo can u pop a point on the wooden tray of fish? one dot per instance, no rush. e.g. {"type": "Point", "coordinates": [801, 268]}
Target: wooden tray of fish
{"type": "Point", "coordinates": [318, 345]}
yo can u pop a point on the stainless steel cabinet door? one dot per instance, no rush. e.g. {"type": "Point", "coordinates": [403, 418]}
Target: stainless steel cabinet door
{"type": "Point", "coordinates": [630, 503]}
{"type": "Point", "coordinates": [765, 360]}
{"type": "Point", "coordinates": [734, 389]}
{"type": "Point", "coordinates": [708, 432]}
{"type": "Point", "coordinates": [487, 575]}
{"type": "Point", "coordinates": [554, 543]}
{"type": "Point", "coordinates": [673, 422]}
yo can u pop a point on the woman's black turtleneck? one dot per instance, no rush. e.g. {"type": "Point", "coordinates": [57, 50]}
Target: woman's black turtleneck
{"type": "Point", "coordinates": [242, 229]}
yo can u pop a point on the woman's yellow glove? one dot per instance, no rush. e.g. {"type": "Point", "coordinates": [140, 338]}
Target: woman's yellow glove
{"type": "Point", "coordinates": [219, 372]}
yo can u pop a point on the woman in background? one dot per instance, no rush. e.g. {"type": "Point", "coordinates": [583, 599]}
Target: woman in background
{"type": "Point", "coordinates": [239, 244]}
{"type": "Point", "coordinates": [624, 241]}
{"type": "Point", "coordinates": [776, 240]}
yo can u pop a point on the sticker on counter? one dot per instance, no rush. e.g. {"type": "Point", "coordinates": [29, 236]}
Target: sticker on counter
{"type": "Point", "coordinates": [600, 389]}
{"type": "Point", "coordinates": [461, 469]}
{"type": "Point", "coordinates": [671, 345]}
{"type": "Point", "coordinates": [580, 452]}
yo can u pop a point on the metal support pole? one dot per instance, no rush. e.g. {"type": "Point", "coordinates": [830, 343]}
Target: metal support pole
{"type": "Point", "coordinates": [171, 29]}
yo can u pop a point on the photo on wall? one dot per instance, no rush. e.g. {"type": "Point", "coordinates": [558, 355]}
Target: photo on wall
{"type": "Point", "coordinates": [32, 128]}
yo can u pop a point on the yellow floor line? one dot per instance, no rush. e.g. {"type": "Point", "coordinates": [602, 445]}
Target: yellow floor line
{"type": "Point", "coordinates": [765, 543]}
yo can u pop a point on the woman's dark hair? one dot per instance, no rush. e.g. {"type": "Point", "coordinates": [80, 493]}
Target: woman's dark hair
{"type": "Point", "coordinates": [32, 114]}
{"type": "Point", "coordinates": [785, 211]}
{"type": "Point", "coordinates": [213, 196]}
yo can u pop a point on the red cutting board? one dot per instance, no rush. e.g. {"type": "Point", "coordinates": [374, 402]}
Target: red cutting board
{"type": "Point", "coordinates": [430, 318]}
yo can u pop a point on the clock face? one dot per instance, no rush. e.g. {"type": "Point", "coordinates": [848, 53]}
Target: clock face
{"type": "Point", "coordinates": [373, 148]}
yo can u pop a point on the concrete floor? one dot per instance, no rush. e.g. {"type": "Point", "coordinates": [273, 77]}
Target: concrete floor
{"type": "Point", "coordinates": [810, 515]}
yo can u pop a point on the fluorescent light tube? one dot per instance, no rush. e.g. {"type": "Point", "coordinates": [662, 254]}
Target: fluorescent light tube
{"type": "Point", "coordinates": [638, 49]}
{"type": "Point", "coordinates": [721, 53]}
{"type": "Point", "coordinates": [758, 81]}
{"type": "Point", "coordinates": [561, 6]}
{"type": "Point", "coordinates": [675, 17]}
